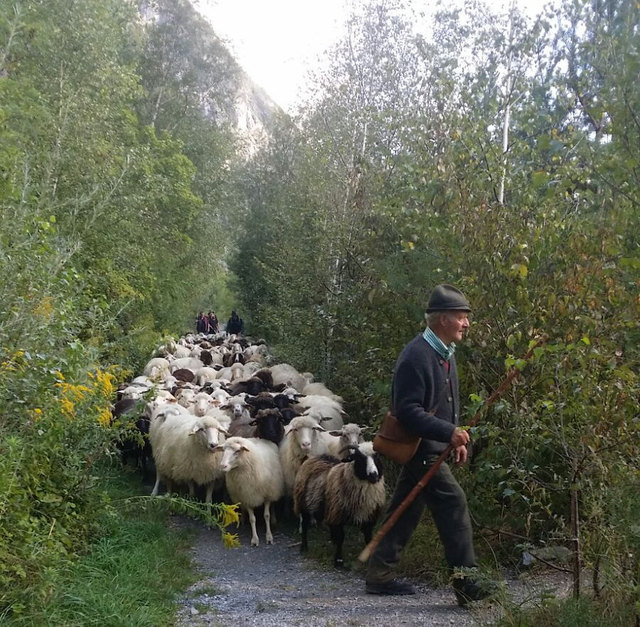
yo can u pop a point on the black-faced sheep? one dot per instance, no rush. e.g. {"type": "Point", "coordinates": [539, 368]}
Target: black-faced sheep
{"type": "Point", "coordinates": [252, 386]}
{"type": "Point", "coordinates": [269, 425]}
{"type": "Point", "coordinates": [350, 492]}
{"type": "Point", "coordinates": [253, 478]}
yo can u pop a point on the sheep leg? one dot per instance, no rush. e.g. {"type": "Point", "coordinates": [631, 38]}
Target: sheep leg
{"type": "Point", "coordinates": [305, 520]}
{"type": "Point", "coordinates": [367, 531]}
{"type": "Point", "coordinates": [208, 497]}
{"type": "Point", "coordinates": [192, 489]}
{"type": "Point", "coordinates": [156, 487]}
{"type": "Point", "coordinates": [267, 521]}
{"type": "Point", "coordinates": [252, 521]}
{"type": "Point", "coordinates": [337, 537]}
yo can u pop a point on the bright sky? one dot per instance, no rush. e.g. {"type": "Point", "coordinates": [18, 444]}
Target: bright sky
{"type": "Point", "coordinates": [278, 41]}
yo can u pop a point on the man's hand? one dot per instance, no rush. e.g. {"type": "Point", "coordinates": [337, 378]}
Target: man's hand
{"type": "Point", "coordinates": [461, 455]}
{"type": "Point", "coordinates": [459, 438]}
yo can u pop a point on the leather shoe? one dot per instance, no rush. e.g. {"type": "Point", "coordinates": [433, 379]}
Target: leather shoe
{"type": "Point", "coordinates": [390, 587]}
{"type": "Point", "coordinates": [468, 590]}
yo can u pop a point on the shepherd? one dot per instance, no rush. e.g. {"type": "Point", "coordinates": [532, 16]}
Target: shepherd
{"type": "Point", "coordinates": [425, 401]}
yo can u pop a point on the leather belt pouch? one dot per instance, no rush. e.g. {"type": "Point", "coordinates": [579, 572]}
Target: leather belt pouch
{"type": "Point", "coordinates": [394, 442]}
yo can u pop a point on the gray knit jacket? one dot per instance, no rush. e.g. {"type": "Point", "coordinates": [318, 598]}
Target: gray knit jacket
{"type": "Point", "coordinates": [425, 397]}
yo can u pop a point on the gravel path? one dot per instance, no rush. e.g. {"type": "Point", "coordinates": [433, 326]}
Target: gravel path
{"type": "Point", "coordinates": [274, 585]}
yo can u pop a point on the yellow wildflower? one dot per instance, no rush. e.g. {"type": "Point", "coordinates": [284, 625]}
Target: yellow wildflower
{"type": "Point", "coordinates": [104, 418]}
{"type": "Point", "coordinates": [229, 515]}
{"type": "Point", "coordinates": [230, 540]}
{"type": "Point", "coordinates": [44, 308]}
{"type": "Point", "coordinates": [67, 406]}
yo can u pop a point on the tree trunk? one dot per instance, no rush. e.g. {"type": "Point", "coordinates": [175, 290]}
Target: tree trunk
{"type": "Point", "coordinates": [507, 110]}
{"type": "Point", "coordinates": [575, 529]}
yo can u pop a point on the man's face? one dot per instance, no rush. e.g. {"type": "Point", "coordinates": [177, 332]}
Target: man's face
{"type": "Point", "coordinates": [455, 325]}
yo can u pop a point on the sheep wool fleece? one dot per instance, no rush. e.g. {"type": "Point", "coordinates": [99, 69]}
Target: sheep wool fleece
{"type": "Point", "coordinates": [426, 401]}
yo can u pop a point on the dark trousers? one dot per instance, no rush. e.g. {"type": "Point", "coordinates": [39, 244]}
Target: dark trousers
{"type": "Point", "coordinates": [448, 505]}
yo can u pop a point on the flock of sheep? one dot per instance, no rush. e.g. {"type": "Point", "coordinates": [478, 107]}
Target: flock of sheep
{"type": "Point", "coordinates": [218, 418]}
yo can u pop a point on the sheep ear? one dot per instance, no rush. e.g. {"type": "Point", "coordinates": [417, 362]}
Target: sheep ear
{"type": "Point", "coordinates": [244, 448]}
{"type": "Point", "coordinates": [195, 430]}
{"type": "Point", "coordinates": [225, 433]}
{"type": "Point", "coordinates": [336, 433]}
{"type": "Point", "coordinates": [319, 428]}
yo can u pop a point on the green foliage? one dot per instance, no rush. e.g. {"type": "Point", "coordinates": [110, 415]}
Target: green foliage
{"type": "Point", "coordinates": [49, 499]}
{"type": "Point", "coordinates": [564, 613]}
{"type": "Point", "coordinates": [120, 199]}
{"type": "Point", "coordinates": [130, 574]}
{"type": "Point", "coordinates": [394, 179]}
{"type": "Point", "coordinates": [109, 239]}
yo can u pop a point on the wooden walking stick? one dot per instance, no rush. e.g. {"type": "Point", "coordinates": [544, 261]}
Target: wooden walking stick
{"type": "Point", "coordinates": [393, 518]}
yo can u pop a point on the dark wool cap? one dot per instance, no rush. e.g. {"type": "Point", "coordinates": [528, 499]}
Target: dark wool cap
{"type": "Point", "coordinates": [446, 297]}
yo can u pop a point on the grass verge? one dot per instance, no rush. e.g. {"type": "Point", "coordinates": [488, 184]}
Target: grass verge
{"type": "Point", "coordinates": [131, 575]}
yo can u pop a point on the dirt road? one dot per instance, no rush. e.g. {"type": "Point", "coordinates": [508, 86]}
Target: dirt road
{"type": "Point", "coordinates": [274, 585]}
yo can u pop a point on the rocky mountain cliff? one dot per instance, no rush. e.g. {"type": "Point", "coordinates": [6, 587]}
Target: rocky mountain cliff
{"type": "Point", "coordinates": [252, 112]}
{"type": "Point", "coordinates": [190, 68]}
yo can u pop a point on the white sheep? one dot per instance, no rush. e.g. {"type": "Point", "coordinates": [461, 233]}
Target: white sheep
{"type": "Point", "coordinates": [325, 410]}
{"type": "Point", "coordinates": [206, 374]}
{"type": "Point", "coordinates": [181, 352]}
{"type": "Point", "coordinates": [287, 374]}
{"type": "Point", "coordinates": [202, 403]}
{"type": "Point", "coordinates": [188, 363]}
{"type": "Point", "coordinates": [156, 405]}
{"type": "Point", "coordinates": [132, 392]}
{"type": "Point", "coordinates": [185, 450]}
{"type": "Point", "coordinates": [156, 368]}
{"type": "Point", "coordinates": [250, 368]}
{"type": "Point", "coordinates": [338, 441]}
{"type": "Point", "coordinates": [302, 437]}
{"type": "Point", "coordinates": [220, 396]}
{"type": "Point", "coordinates": [221, 416]}
{"type": "Point", "coordinates": [253, 478]}
{"type": "Point", "coordinates": [320, 389]}
{"type": "Point", "coordinates": [339, 493]}
{"type": "Point", "coordinates": [237, 372]}
{"type": "Point", "coordinates": [142, 381]}
{"type": "Point", "coordinates": [186, 397]}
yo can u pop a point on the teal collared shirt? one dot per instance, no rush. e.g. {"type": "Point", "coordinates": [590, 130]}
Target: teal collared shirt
{"type": "Point", "coordinates": [446, 352]}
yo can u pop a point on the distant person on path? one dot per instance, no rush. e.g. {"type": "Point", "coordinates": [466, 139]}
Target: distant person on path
{"type": "Point", "coordinates": [201, 324]}
{"type": "Point", "coordinates": [425, 400]}
{"type": "Point", "coordinates": [212, 321]}
{"type": "Point", "coordinates": [235, 325]}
